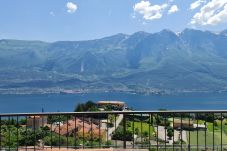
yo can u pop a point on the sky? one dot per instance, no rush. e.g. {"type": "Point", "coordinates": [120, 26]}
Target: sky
{"type": "Point", "coordinates": [58, 20]}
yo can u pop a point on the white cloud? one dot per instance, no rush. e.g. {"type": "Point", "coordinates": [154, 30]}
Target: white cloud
{"type": "Point", "coordinates": [212, 13]}
{"type": "Point", "coordinates": [133, 16]}
{"type": "Point", "coordinates": [51, 13]}
{"type": "Point", "coordinates": [219, 17]}
{"type": "Point", "coordinates": [196, 4]}
{"type": "Point", "coordinates": [71, 7]}
{"type": "Point", "coordinates": [173, 9]}
{"type": "Point", "coordinates": [149, 11]}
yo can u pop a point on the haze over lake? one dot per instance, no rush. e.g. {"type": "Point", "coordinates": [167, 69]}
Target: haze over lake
{"type": "Point", "coordinates": [66, 103]}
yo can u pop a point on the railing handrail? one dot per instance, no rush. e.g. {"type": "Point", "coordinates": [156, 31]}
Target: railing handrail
{"type": "Point", "coordinates": [114, 112]}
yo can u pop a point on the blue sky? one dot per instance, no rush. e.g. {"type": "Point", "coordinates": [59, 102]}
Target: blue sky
{"type": "Point", "coordinates": [54, 20]}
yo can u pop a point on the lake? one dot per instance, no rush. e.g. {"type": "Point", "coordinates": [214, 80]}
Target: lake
{"type": "Point", "coordinates": [67, 102]}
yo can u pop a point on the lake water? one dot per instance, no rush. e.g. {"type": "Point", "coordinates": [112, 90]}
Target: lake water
{"type": "Point", "coordinates": [66, 103]}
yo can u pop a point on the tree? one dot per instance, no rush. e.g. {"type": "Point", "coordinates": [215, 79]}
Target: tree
{"type": "Point", "coordinates": [151, 120]}
{"type": "Point", "coordinates": [128, 124]}
{"type": "Point", "coordinates": [88, 106]}
{"type": "Point", "coordinates": [136, 130]}
{"type": "Point", "coordinates": [209, 117]}
{"type": "Point", "coordinates": [120, 135]}
{"type": "Point", "coordinates": [23, 121]}
{"type": "Point", "coordinates": [170, 132]}
{"type": "Point", "coordinates": [108, 107]}
{"type": "Point", "coordinates": [145, 134]}
{"type": "Point", "coordinates": [111, 118]}
{"type": "Point", "coordinates": [79, 108]}
{"type": "Point", "coordinates": [53, 118]}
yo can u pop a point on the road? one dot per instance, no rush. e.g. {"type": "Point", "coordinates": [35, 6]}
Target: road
{"type": "Point", "coordinates": [177, 135]}
{"type": "Point", "coordinates": [112, 129]}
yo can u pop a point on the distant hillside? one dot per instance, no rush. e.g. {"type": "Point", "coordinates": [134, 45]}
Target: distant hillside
{"type": "Point", "coordinates": [192, 60]}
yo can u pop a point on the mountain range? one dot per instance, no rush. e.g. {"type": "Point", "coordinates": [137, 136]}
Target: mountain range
{"type": "Point", "coordinates": [189, 61]}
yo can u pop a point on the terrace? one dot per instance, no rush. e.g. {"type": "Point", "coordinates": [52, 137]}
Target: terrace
{"type": "Point", "coordinates": [115, 130]}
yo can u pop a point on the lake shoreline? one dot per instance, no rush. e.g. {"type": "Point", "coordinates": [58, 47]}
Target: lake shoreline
{"type": "Point", "coordinates": [14, 103]}
{"type": "Point", "coordinates": [30, 91]}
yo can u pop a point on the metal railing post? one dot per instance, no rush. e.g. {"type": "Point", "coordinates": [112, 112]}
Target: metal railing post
{"type": "Point", "coordinates": [75, 132]}
{"type": "Point", "coordinates": [115, 128]}
{"type": "Point", "coordinates": [213, 130]}
{"type": "Point", "coordinates": [133, 131]}
{"type": "Point", "coordinates": [0, 133]}
{"type": "Point", "coordinates": [124, 131]}
{"type": "Point", "coordinates": [189, 124]}
{"type": "Point", "coordinates": [221, 132]}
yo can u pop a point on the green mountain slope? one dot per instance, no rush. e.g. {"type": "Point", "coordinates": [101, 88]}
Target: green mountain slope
{"type": "Point", "coordinates": [192, 60]}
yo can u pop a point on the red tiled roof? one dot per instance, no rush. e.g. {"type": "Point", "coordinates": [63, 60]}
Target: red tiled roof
{"type": "Point", "coordinates": [79, 126]}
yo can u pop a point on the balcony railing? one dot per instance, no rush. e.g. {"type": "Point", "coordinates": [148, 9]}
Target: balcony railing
{"type": "Point", "coordinates": [153, 130]}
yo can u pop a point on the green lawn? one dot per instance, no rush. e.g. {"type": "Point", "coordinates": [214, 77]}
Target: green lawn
{"type": "Point", "coordinates": [218, 126]}
{"type": "Point", "coordinates": [145, 127]}
{"type": "Point", "coordinates": [209, 136]}
{"type": "Point", "coordinates": [200, 122]}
